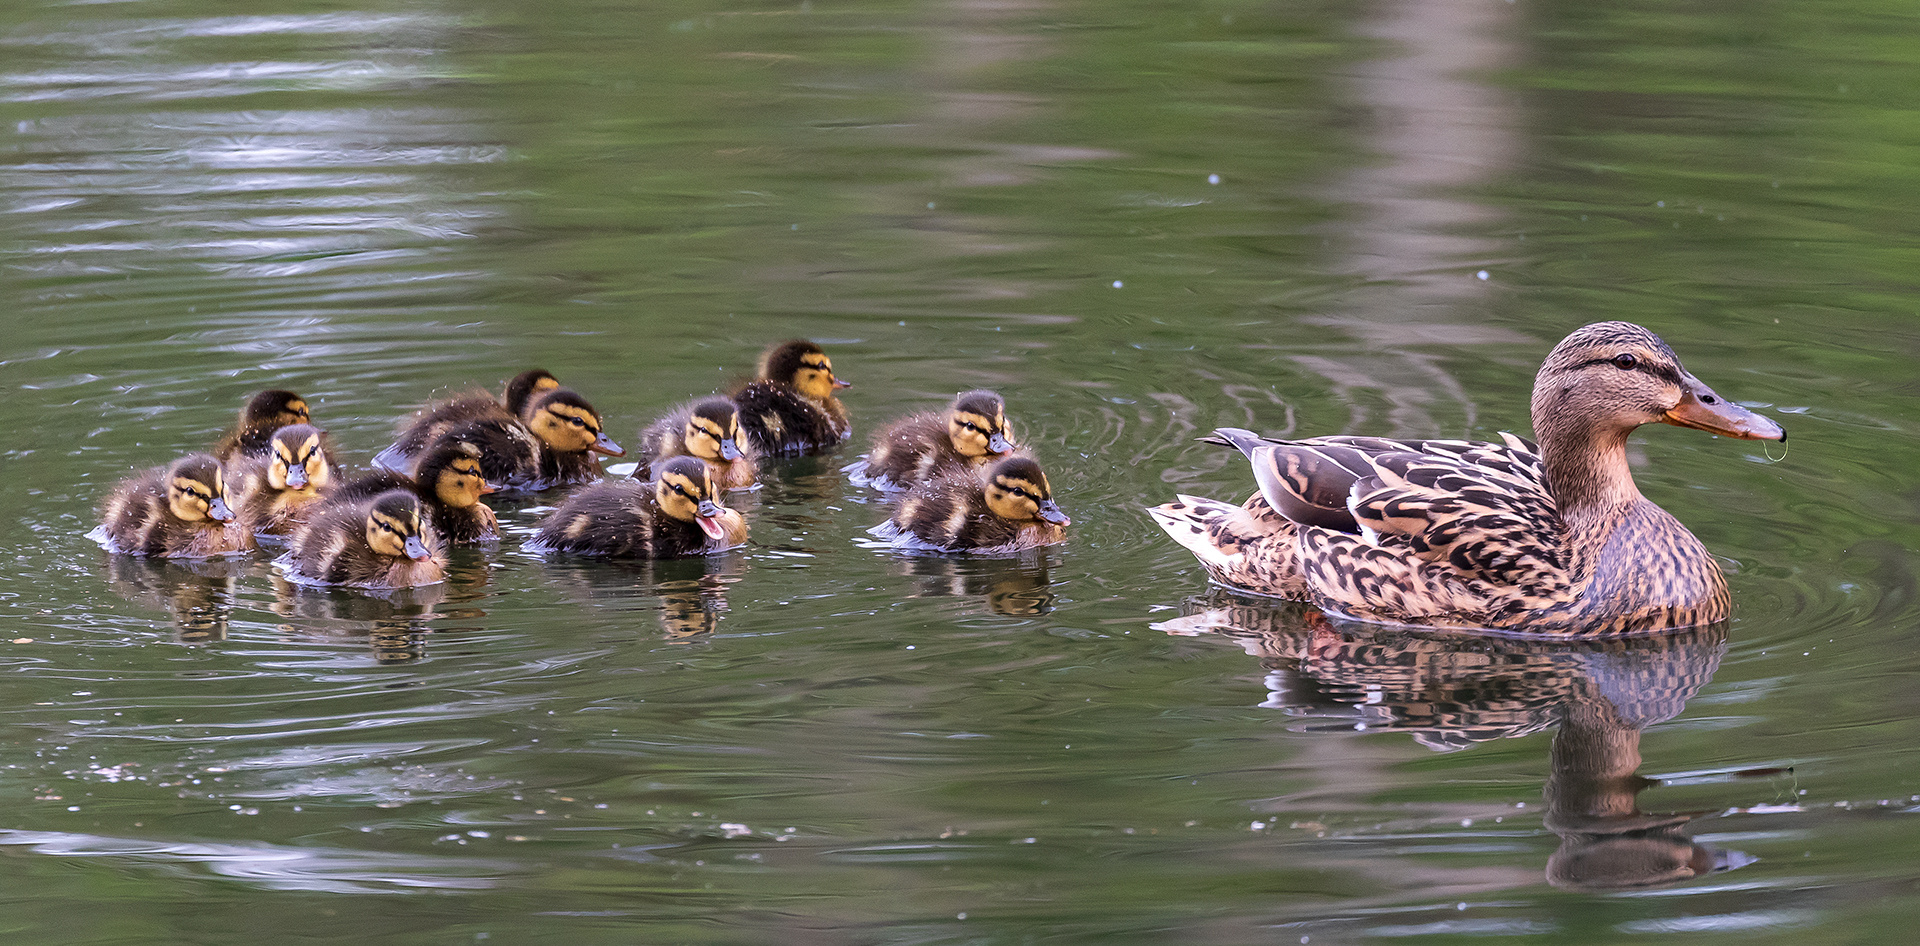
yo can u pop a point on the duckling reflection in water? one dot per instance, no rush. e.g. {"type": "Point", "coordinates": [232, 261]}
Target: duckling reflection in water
{"type": "Point", "coordinates": [688, 596]}
{"type": "Point", "coordinates": [394, 623]}
{"type": "Point", "coordinates": [1015, 587]}
{"type": "Point", "coordinates": [198, 592]}
{"type": "Point", "coordinates": [175, 511]}
{"type": "Point", "coordinates": [1451, 692]}
{"type": "Point", "coordinates": [1008, 509]}
{"type": "Point", "coordinates": [969, 434]}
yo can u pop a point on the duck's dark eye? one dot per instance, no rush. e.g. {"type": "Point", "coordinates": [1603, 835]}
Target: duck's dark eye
{"type": "Point", "coordinates": [1625, 361]}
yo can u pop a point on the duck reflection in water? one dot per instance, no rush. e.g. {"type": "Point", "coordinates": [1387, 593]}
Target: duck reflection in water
{"type": "Point", "coordinates": [395, 621]}
{"type": "Point", "coordinates": [1451, 691]}
{"type": "Point", "coordinates": [688, 595]}
{"type": "Point", "coordinates": [1016, 587]}
{"type": "Point", "coordinates": [198, 592]}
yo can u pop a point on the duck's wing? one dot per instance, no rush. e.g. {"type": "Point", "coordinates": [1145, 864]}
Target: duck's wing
{"type": "Point", "coordinates": [1482, 509]}
{"type": "Point", "coordinates": [1306, 481]}
{"type": "Point", "coordinates": [1417, 528]}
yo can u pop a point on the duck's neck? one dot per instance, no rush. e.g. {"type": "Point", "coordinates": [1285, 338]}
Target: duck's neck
{"type": "Point", "coordinates": [1587, 473]}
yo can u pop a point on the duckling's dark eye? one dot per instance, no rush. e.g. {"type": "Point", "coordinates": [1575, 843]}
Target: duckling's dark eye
{"type": "Point", "coordinates": [1625, 361]}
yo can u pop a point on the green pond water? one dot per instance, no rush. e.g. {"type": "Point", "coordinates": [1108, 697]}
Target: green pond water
{"type": "Point", "coordinates": [1137, 221]}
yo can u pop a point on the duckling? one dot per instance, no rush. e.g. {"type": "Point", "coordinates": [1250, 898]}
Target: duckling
{"type": "Point", "coordinates": [968, 435]}
{"type": "Point", "coordinates": [708, 429]}
{"type": "Point", "coordinates": [677, 514]}
{"type": "Point", "coordinates": [263, 414]}
{"type": "Point", "coordinates": [384, 542]}
{"type": "Point", "coordinates": [448, 481]}
{"type": "Point", "coordinates": [425, 427]}
{"type": "Point", "coordinates": [552, 446]}
{"type": "Point", "coordinates": [175, 511]}
{"type": "Point", "coordinates": [1007, 509]}
{"type": "Point", "coordinates": [277, 491]}
{"type": "Point", "coordinates": [789, 407]}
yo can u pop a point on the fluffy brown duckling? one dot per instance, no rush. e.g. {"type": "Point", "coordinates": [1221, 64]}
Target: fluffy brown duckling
{"type": "Point", "coordinates": [175, 511]}
{"type": "Point", "coordinates": [263, 414]}
{"type": "Point", "coordinates": [552, 444]}
{"type": "Point", "coordinates": [379, 543]}
{"type": "Point", "coordinates": [277, 490]}
{"type": "Point", "coordinates": [427, 426]}
{"type": "Point", "coordinates": [1008, 508]}
{"type": "Point", "coordinates": [789, 408]}
{"type": "Point", "coordinates": [677, 514]}
{"type": "Point", "coordinates": [965, 437]}
{"type": "Point", "coordinates": [448, 481]}
{"type": "Point", "coordinates": [708, 429]}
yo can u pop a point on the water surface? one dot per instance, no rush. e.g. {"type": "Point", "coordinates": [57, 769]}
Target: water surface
{"type": "Point", "coordinates": [1137, 222]}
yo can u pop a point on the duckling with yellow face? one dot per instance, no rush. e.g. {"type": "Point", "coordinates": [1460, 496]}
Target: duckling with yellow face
{"type": "Point", "coordinates": [264, 413]}
{"type": "Point", "coordinates": [677, 514]}
{"type": "Point", "coordinates": [790, 408]}
{"type": "Point", "coordinates": [175, 511]}
{"type": "Point", "coordinates": [381, 543]}
{"type": "Point", "coordinates": [1006, 509]}
{"type": "Point", "coordinates": [421, 430]}
{"type": "Point", "coordinates": [551, 444]}
{"type": "Point", "coordinates": [968, 435]}
{"type": "Point", "coordinates": [277, 491]}
{"type": "Point", "coordinates": [449, 483]}
{"type": "Point", "coordinates": [708, 429]}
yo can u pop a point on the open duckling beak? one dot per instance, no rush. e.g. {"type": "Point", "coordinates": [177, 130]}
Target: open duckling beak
{"type": "Point", "coordinates": [606, 445]}
{"type": "Point", "coordinates": [1701, 409]}
{"type": "Point", "coordinates": [417, 550]}
{"type": "Point", "coordinates": [1050, 511]}
{"type": "Point", "coordinates": [219, 511]}
{"type": "Point", "coordinates": [708, 518]}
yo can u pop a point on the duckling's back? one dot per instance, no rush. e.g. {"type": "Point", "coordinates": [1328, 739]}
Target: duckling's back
{"type": "Point", "coordinates": [779, 422]}
{"type": "Point", "coordinates": [913, 450]}
{"type": "Point", "coordinates": [617, 519]}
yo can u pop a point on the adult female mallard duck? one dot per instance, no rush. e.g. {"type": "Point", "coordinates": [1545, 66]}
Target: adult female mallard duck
{"type": "Point", "coordinates": [263, 414]}
{"type": "Point", "coordinates": [380, 543]}
{"type": "Point", "coordinates": [175, 511]}
{"type": "Point", "coordinates": [1550, 539]}
{"type": "Point", "coordinates": [708, 429]}
{"type": "Point", "coordinates": [789, 408]}
{"type": "Point", "coordinates": [968, 435]}
{"type": "Point", "coordinates": [677, 514]}
{"type": "Point", "coordinates": [1008, 509]}
{"type": "Point", "coordinates": [449, 484]}
{"type": "Point", "coordinates": [426, 426]}
{"type": "Point", "coordinates": [277, 490]}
